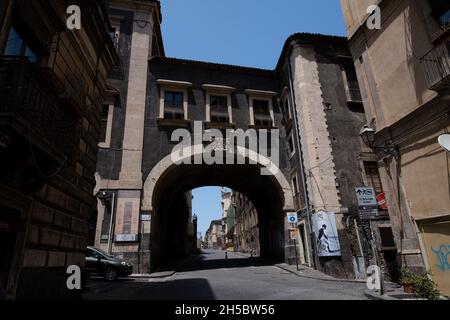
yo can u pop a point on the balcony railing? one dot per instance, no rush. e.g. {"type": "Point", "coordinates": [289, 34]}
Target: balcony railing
{"type": "Point", "coordinates": [33, 111]}
{"type": "Point", "coordinates": [354, 95]}
{"type": "Point", "coordinates": [436, 65]}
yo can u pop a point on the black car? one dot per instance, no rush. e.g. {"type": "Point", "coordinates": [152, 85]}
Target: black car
{"type": "Point", "coordinates": [99, 262]}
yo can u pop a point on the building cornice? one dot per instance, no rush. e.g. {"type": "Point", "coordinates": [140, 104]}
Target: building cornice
{"type": "Point", "coordinates": [174, 83]}
{"type": "Point", "coordinates": [261, 93]}
{"type": "Point", "coordinates": [218, 88]}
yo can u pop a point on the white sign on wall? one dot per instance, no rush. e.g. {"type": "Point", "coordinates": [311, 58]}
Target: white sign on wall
{"type": "Point", "coordinates": [326, 235]}
{"type": "Point", "coordinates": [292, 217]}
{"type": "Point", "coordinates": [126, 238]}
{"type": "Point", "coordinates": [367, 202]}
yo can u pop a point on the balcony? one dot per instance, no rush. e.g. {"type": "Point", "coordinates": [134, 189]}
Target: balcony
{"type": "Point", "coordinates": [436, 65]}
{"type": "Point", "coordinates": [33, 111]}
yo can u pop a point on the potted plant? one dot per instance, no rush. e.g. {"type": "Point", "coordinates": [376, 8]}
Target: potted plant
{"type": "Point", "coordinates": [408, 278]}
{"type": "Point", "coordinates": [422, 285]}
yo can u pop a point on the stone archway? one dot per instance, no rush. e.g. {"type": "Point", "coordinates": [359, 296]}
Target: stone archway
{"type": "Point", "coordinates": [167, 183]}
{"type": "Point", "coordinates": [166, 163]}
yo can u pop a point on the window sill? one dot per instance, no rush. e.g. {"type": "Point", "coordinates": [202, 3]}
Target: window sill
{"type": "Point", "coordinates": [219, 125]}
{"type": "Point", "coordinates": [178, 123]}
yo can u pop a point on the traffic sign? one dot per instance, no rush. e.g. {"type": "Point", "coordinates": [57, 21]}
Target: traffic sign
{"type": "Point", "coordinates": [367, 203]}
{"type": "Point", "coordinates": [292, 217]}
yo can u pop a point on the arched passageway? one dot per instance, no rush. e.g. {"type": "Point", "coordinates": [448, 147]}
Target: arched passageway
{"type": "Point", "coordinates": [164, 197]}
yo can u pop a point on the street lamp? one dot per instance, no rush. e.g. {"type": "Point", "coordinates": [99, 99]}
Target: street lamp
{"type": "Point", "coordinates": [367, 135]}
{"type": "Point", "coordinates": [444, 142]}
{"type": "Point", "coordinates": [108, 198]}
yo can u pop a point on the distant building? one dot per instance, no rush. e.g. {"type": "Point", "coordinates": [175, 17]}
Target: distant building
{"type": "Point", "coordinates": [215, 235]}
{"type": "Point", "coordinates": [245, 231]}
{"type": "Point", "coordinates": [227, 218]}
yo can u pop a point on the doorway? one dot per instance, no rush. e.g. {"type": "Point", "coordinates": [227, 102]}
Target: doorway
{"type": "Point", "coordinates": [8, 237]}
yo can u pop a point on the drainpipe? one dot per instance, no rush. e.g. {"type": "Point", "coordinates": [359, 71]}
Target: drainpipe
{"type": "Point", "coordinates": [111, 224]}
{"type": "Point", "coordinates": [293, 106]}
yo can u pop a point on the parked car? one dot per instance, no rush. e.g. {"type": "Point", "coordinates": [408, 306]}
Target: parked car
{"type": "Point", "coordinates": [99, 262]}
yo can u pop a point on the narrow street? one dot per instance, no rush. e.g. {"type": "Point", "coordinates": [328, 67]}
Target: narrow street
{"type": "Point", "coordinates": [211, 277]}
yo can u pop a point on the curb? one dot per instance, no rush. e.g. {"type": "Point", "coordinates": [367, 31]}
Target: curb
{"type": "Point", "coordinates": [301, 275]}
{"type": "Point", "coordinates": [375, 296]}
{"type": "Point", "coordinates": [155, 275]}
{"type": "Point", "coordinates": [318, 278]}
{"type": "Point", "coordinates": [164, 274]}
{"type": "Point", "coordinates": [305, 276]}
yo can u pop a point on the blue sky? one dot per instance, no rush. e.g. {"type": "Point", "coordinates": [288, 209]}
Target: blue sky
{"type": "Point", "coordinates": [243, 32]}
{"type": "Point", "coordinates": [240, 32]}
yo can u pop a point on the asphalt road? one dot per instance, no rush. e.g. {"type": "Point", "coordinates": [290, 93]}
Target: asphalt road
{"type": "Point", "coordinates": [211, 277]}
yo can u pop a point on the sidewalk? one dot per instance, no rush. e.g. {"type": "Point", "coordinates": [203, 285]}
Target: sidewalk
{"type": "Point", "coordinates": [170, 270]}
{"type": "Point", "coordinates": [392, 290]}
{"type": "Point", "coordinates": [303, 271]}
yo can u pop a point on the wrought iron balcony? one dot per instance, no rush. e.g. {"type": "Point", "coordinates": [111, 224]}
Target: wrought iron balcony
{"type": "Point", "coordinates": [436, 65]}
{"type": "Point", "coordinates": [33, 111]}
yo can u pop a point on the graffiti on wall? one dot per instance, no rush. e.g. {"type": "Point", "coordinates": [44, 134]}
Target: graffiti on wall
{"type": "Point", "coordinates": [442, 253]}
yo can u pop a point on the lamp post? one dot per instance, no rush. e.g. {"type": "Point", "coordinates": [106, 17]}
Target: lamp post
{"type": "Point", "coordinates": [367, 135]}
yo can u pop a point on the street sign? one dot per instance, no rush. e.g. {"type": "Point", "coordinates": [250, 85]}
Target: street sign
{"type": "Point", "coordinates": [381, 199]}
{"type": "Point", "coordinates": [367, 203]}
{"type": "Point", "coordinates": [146, 217]}
{"type": "Point", "coordinates": [292, 217]}
{"type": "Point", "coordinates": [126, 238]}
{"type": "Point", "coordinates": [366, 196]}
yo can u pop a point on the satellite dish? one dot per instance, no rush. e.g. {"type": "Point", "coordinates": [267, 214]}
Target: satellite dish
{"type": "Point", "coordinates": [444, 141]}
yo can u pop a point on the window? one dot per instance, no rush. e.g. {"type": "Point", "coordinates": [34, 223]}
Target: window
{"type": "Point", "coordinates": [104, 123]}
{"type": "Point", "coordinates": [218, 104]}
{"type": "Point", "coordinates": [219, 109]}
{"type": "Point", "coordinates": [106, 223]}
{"type": "Point", "coordinates": [173, 102]}
{"type": "Point", "coordinates": [373, 176]}
{"type": "Point", "coordinates": [285, 109]}
{"type": "Point", "coordinates": [106, 119]}
{"type": "Point", "coordinates": [115, 37]}
{"type": "Point", "coordinates": [173, 105]}
{"type": "Point", "coordinates": [291, 145]}
{"type": "Point", "coordinates": [16, 46]}
{"type": "Point", "coordinates": [295, 185]}
{"type": "Point", "coordinates": [261, 112]}
{"type": "Point", "coordinates": [354, 93]}
{"type": "Point", "coordinates": [94, 254]}
{"type": "Point", "coordinates": [261, 108]}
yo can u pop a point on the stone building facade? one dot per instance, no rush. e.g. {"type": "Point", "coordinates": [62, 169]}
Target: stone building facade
{"type": "Point", "coordinates": [246, 231]}
{"type": "Point", "coordinates": [404, 73]}
{"type": "Point", "coordinates": [309, 105]}
{"type": "Point", "coordinates": [323, 115]}
{"type": "Point", "coordinates": [52, 86]}
{"type": "Point", "coordinates": [214, 236]}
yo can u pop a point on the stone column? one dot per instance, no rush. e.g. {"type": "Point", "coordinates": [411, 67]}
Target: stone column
{"type": "Point", "coordinates": [131, 171]}
{"type": "Point", "coordinates": [314, 136]}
